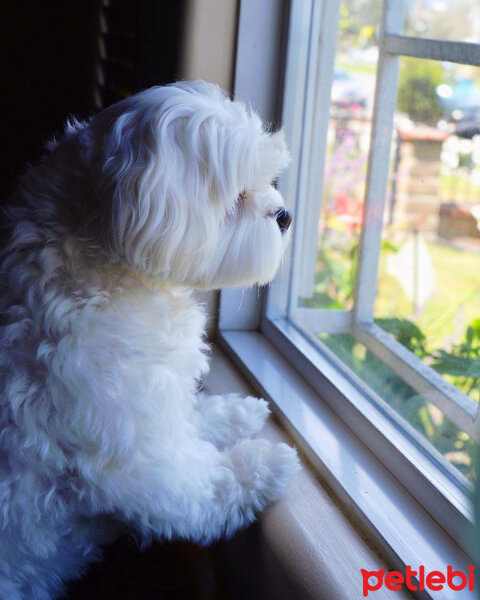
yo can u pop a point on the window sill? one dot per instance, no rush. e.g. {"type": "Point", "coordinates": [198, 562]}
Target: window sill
{"type": "Point", "coordinates": [307, 530]}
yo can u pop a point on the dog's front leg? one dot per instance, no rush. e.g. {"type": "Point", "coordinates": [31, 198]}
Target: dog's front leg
{"type": "Point", "coordinates": [225, 419]}
{"type": "Point", "coordinates": [237, 484]}
{"type": "Point", "coordinates": [138, 453]}
{"type": "Point", "coordinates": [196, 491]}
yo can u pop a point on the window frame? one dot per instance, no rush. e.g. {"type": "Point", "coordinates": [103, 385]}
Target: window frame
{"type": "Point", "coordinates": [264, 317]}
{"type": "Point", "coordinates": [359, 322]}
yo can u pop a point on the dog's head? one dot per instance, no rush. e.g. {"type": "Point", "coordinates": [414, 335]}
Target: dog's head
{"type": "Point", "coordinates": [184, 181]}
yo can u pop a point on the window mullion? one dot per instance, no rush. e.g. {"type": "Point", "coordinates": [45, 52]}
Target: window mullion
{"type": "Point", "coordinates": [378, 166]}
{"type": "Point", "coordinates": [465, 53]}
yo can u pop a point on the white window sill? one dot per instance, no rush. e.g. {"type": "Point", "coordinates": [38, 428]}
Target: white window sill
{"type": "Point", "coordinates": [309, 530]}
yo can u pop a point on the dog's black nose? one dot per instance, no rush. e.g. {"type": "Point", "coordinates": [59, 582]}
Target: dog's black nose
{"type": "Point", "coordinates": [284, 218]}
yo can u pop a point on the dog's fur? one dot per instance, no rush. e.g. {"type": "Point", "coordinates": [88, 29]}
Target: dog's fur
{"type": "Point", "coordinates": [101, 343]}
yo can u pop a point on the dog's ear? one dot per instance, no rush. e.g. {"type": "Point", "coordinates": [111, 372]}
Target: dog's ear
{"type": "Point", "coordinates": [144, 210]}
{"type": "Point", "coordinates": [169, 165]}
{"type": "Point", "coordinates": [128, 169]}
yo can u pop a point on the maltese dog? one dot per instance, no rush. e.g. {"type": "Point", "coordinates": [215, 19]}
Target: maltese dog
{"type": "Point", "coordinates": [101, 348]}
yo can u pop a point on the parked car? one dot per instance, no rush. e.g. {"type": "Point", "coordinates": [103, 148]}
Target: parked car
{"type": "Point", "coordinates": [469, 125]}
{"type": "Point", "coordinates": [461, 105]}
{"type": "Point", "coordinates": [347, 93]}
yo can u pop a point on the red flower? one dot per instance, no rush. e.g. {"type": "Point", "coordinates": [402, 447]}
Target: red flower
{"type": "Point", "coordinates": [347, 210]}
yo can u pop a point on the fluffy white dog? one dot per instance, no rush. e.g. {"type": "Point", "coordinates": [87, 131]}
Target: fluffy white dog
{"type": "Point", "coordinates": [101, 343]}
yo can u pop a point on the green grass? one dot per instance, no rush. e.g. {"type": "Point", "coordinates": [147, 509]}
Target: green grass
{"type": "Point", "coordinates": [453, 305]}
{"type": "Point", "coordinates": [352, 67]}
{"type": "Point", "coordinates": [457, 187]}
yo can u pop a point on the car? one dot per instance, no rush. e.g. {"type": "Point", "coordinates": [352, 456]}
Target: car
{"type": "Point", "coordinates": [347, 92]}
{"type": "Point", "coordinates": [468, 125]}
{"type": "Point", "coordinates": [461, 105]}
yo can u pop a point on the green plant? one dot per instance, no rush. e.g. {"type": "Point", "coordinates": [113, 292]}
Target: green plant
{"type": "Point", "coordinates": [335, 280]}
{"type": "Point", "coordinates": [336, 269]}
{"type": "Point", "coordinates": [358, 19]}
{"type": "Point", "coordinates": [462, 363]}
{"type": "Point", "coordinates": [407, 333]}
{"type": "Point", "coordinates": [417, 96]}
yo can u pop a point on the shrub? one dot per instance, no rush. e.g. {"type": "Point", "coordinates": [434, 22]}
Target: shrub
{"type": "Point", "coordinates": [417, 96]}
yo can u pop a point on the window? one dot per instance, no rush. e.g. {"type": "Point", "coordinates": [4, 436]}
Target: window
{"type": "Point", "coordinates": [378, 303]}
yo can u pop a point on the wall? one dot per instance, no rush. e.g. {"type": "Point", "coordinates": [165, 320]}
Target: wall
{"type": "Point", "coordinates": [208, 52]}
{"type": "Point", "coordinates": [209, 41]}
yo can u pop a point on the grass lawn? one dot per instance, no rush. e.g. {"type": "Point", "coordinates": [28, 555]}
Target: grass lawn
{"type": "Point", "coordinates": [453, 305]}
{"type": "Point", "coordinates": [352, 67]}
{"type": "Point", "coordinates": [458, 187]}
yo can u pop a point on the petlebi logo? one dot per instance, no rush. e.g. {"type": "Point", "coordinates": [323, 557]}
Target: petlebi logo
{"type": "Point", "coordinates": [418, 580]}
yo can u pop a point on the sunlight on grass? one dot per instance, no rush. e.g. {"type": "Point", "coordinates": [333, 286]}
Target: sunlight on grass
{"type": "Point", "coordinates": [458, 187]}
{"type": "Point", "coordinates": [454, 304]}
{"type": "Point", "coordinates": [353, 67]}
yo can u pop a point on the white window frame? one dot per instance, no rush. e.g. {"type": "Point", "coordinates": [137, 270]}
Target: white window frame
{"type": "Point", "coordinates": [267, 335]}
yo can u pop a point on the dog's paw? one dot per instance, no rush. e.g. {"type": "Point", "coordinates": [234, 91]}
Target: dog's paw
{"type": "Point", "coordinates": [263, 469]}
{"type": "Point", "coordinates": [229, 418]}
{"type": "Point", "coordinates": [246, 415]}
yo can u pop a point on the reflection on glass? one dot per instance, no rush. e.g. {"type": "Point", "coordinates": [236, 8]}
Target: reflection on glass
{"type": "Point", "coordinates": [452, 443]}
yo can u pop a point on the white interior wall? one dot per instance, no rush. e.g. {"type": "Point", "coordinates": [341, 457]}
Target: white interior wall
{"type": "Point", "coordinates": [208, 52]}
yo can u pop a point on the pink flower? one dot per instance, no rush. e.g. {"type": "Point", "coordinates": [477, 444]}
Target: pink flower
{"type": "Point", "coordinates": [347, 210]}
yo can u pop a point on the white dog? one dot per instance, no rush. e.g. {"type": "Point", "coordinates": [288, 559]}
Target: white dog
{"type": "Point", "coordinates": [101, 343]}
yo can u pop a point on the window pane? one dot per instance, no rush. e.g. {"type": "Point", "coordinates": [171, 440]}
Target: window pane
{"type": "Point", "coordinates": [444, 19]}
{"type": "Point", "coordinates": [428, 294]}
{"type": "Point", "coordinates": [348, 143]}
{"type": "Point", "coordinates": [452, 443]}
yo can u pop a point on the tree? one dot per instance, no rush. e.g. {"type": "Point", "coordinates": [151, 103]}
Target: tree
{"type": "Point", "coordinates": [359, 19]}
{"type": "Point", "coordinates": [417, 96]}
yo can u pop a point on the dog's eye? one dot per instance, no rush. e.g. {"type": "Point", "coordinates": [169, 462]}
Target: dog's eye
{"type": "Point", "coordinates": [242, 196]}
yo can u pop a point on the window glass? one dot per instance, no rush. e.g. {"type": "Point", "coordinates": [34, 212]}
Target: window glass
{"type": "Point", "coordinates": [428, 289]}
{"type": "Point", "coordinates": [457, 20]}
{"type": "Point", "coordinates": [449, 440]}
{"type": "Point", "coordinates": [348, 141]}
